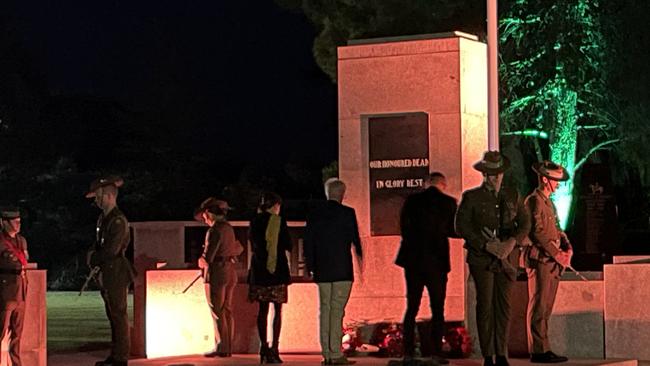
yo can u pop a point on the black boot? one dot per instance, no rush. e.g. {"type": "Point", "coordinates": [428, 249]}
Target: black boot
{"type": "Point", "coordinates": [275, 354]}
{"type": "Point", "coordinates": [488, 361]}
{"type": "Point", "coordinates": [501, 361]}
{"type": "Point", "coordinates": [265, 352]}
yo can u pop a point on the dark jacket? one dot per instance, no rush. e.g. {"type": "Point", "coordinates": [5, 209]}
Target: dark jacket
{"type": "Point", "coordinates": [331, 231]}
{"type": "Point", "coordinates": [220, 245]}
{"type": "Point", "coordinates": [13, 283]}
{"type": "Point", "coordinates": [426, 222]}
{"type": "Point", "coordinates": [108, 253]}
{"type": "Point", "coordinates": [504, 214]}
{"type": "Point", "coordinates": [258, 274]}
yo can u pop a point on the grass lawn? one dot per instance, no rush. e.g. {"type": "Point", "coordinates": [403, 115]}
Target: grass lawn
{"type": "Point", "coordinates": [77, 323]}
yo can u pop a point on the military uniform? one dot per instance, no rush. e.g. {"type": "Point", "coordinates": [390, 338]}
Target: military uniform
{"type": "Point", "coordinates": [543, 271]}
{"type": "Point", "coordinates": [504, 215]}
{"type": "Point", "coordinates": [13, 289]}
{"type": "Point", "coordinates": [115, 276]}
{"type": "Point", "coordinates": [221, 250]}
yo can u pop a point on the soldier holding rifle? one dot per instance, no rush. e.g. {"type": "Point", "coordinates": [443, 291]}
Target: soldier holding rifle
{"type": "Point", "coordinates": [217, 264]}
{"type": "Point", "coordinates": [492, 220]}
{"type": "Point", "coordinates": [550, 253]}
{"type": "Point", "coordinates": [13, 281]}
{"type": "Point", "coordinates": [115, 272]}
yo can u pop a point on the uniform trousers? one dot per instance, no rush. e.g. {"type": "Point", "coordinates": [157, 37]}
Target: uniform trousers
{"type": "Point", "coordinates": [114, 289]}
{"type": "Point", "coordinates": [543, 280]}
{"type": "Point", "coordinates": [492, 309]}
{"type": "Point", "coordinates": [219, 292]}
{"type": "Point", "coordinates": [12, 315]}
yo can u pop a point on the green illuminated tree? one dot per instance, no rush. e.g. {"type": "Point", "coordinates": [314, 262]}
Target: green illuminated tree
{"type": "Point", "coordinates": [554, 76]}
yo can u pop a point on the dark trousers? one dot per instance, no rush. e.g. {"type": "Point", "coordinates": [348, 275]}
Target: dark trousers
{"type": "Point", "coordinates": [543, 282]}
{"type": "Point", "coordinates": [219, 293]}
{"type": "Point", "coordinates": [436, 283]}
{"type": "Point", "coordinates": [492, 310]}
{"type": "Point", "coordinates": [12, 315]}
{"type": "Point", "coordinates": [114, 295]}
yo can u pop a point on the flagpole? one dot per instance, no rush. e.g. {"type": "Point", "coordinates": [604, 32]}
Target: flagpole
{"type": "Point", "coordinates": [493, 75]}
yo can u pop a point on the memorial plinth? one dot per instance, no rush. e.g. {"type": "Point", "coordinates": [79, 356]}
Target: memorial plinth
{"type": "Point", "coordinates": [34, 337]}
{"type": "Point", "coordinates": [407, 108]}
{"type": "Point", "coordinates": [627, 314]}
{"type": "Point", "coordinates": [181, 324]}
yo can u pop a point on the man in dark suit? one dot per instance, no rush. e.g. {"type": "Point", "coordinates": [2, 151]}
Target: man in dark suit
{"type": "Point", "coordinates": [13, 281]}
{"type": "Point", "coordinates": [427, 220]}
{"type": "Point", "coordinates": [331, 231]}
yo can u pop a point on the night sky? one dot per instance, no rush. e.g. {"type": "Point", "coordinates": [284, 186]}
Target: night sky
{"type": "Point", "coordinates": [235, 80]}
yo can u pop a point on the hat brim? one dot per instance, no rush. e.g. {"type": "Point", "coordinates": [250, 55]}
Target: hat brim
{"type": "Point", "coordinates": [537, 168]}
{"type": "Point", "coordinates": [484, 168]}
{"type": "Point", "coordinates": [92, 192]}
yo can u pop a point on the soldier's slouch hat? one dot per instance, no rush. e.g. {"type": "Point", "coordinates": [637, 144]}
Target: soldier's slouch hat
{"type": "Point", "coordinates": [493, 162]}
{"type": "Point", "coordinates": [551, 170]}
{"type": "Point", "coordinates": [103, 182]}
{"type": "Point", "coordinates": [9, 212]}
{"type": "Point", "coordinates": [213, 205]}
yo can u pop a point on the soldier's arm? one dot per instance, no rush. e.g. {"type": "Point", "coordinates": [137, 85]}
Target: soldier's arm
{"type": "Point", "coordinates": [214, 241]}
{"type": "Point", "coordinates": [523, 221]}
{"type": "Point", "coordinates": [539, 235]}
{"type": "Point", "coordinates": [466, 228]}
{"type": "Point", "coordinates": [114, 238]}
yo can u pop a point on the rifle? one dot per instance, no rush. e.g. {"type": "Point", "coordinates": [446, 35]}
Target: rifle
{"type": "Point", "coordinates": [193, 282]}
{"type": "Point", "coordinates": [91, 275]}
{"type": "Point", "coordinates": [582, 277]}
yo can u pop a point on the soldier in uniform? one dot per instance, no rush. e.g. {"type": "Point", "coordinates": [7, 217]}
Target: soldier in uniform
{"type": "Point", "coordinates": [116, 273]}
{"type": "Point", "coordinates": [217, 262]}
{"type": "Point", "coordinates": [492, 219]}
{"type": "Point", "coordinates": [550, 253]}
{"type": "Point", "coordinates": [13, 280]}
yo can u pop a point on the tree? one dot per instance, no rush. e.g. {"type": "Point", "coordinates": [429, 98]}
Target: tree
{"type": "Point", "coordinates": [338, 21]}
{"type": "Point", "coordinates": [554, 79]}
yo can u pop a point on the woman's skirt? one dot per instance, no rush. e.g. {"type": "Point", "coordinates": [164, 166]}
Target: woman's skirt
{"type": "Point", "coordinates": [276, 293]}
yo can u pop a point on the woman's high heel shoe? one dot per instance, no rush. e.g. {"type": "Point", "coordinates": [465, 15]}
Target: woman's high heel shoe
{"type": "Point", "coordinates": [264, 354]}
{"type": "Point", "coordinates": [275, 354]}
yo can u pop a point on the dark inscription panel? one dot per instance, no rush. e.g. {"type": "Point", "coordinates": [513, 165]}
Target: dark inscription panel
{"type": "Point", "coordinates": [398, 163]}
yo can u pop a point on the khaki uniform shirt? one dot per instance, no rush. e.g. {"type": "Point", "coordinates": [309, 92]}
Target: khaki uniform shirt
{"type": "Point", "coordinates": [111, 243]}
{"type": "Point", "coordinates": [545, 232]}
{"type": "Point", "coordinates": [13, 281]}
{"type": "Point", "coordinates": [503, 214]}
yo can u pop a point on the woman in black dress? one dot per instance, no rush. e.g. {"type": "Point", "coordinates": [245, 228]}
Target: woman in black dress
{"type": "Point", "coordinates": [269, 273]}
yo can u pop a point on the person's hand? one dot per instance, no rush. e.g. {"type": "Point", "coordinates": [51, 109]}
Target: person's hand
{"type": "Point", "coordinates": [563, 258]}
{"type": "Point", "coordinates": [506, 247]}
{"type": "Point", "coordinates": [202, 263]}
{"type": "Point", "coordinates": [89, 258]}
{"type": "Point", "coordinates": [493, 246]}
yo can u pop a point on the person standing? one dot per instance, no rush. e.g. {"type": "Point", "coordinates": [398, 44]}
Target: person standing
{"type": "Point", "coordinates": [220, 252]}
{"type": "Point", "coordinates": [426, 221]}
{"type": "Point", "coordinates": [13, 291]}
{"type": "Point", "coordinates": [269, 275]}
{"type": "Point", "coordinates": [492, 219]}
{"type": "Point", "coordinates": [115, 271]}
{"type": "Point", "coordinates": [550, 252]}
{"type": "Point", "coordinates": [330, 233]}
